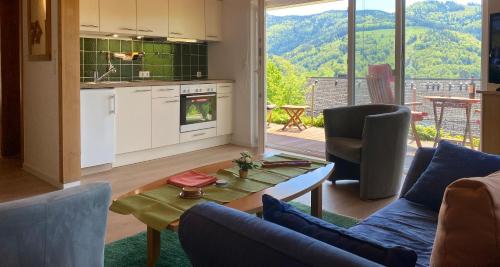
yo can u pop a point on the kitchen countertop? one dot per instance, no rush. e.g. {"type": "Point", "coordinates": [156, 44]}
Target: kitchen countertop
{"type": "Point", "coordinates": [105, 85]}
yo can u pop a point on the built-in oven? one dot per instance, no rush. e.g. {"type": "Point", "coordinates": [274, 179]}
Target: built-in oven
{"type": "Point", "coordinates": [198, 107]}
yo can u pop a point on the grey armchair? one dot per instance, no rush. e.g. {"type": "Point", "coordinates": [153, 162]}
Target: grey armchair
{"type": "Point", "coordinates": [368, 143]}
{"type": "Point", "coordinates": [62, 228]}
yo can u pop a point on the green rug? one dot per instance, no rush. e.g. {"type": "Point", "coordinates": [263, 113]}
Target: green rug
{"type": "Point", "coordinates": [131, 251]}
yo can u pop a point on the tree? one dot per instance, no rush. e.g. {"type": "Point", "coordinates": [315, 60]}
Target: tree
{"type": "Point", "coordinates": [285, 83]}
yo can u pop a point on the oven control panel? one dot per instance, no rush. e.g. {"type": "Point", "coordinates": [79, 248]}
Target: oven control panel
{"type": "Point", "coordinates": [198, 89]}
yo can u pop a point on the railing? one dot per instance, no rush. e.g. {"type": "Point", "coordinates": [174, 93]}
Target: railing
{"type": "Point", "coordinates": [332, 92]}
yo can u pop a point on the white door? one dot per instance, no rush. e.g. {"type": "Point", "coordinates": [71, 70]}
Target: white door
{"type": "Point", "coordinates": [213, 20]}
{"type": "Point", "coordinates": [224, 114]}
{"type": "Point", "coordinates": [97, 127]}
{"type": "Point", "coordinates": [89, 15]}
{"type": "Point", "coordinates": [187, 19]}
{"type": "Point", "coordinates": [152, 17]}
{"type": "Point", "coordinates": [133, 119]}
{"type": "Point", "coordinates": [166, 121]}
{"type": "Point", "coordinates": [118, 16]}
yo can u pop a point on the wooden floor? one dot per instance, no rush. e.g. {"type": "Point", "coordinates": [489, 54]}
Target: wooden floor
{"type": "Point", "coordinates": [341, 198]}
{"type": "Point", "coordinates": [16, 183]}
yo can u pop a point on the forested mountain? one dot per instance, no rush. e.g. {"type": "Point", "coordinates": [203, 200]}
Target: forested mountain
{"type": "Point", "coordinates": [442, 41]}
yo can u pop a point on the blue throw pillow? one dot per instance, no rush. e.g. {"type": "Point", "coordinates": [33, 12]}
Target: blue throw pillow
{"type": "Point", "coordinates": [288, 216]}
{"type": "Point", "coordinates": [450, 163]}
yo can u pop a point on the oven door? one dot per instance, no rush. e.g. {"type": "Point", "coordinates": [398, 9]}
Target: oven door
{"type": "Point", "coordinates": [198, 112]}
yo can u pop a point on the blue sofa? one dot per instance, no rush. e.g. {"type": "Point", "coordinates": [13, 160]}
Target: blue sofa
{"type": "Point", "coordinates": [58, 229]}
{"type": "Point", "coordinates": [213, 235]}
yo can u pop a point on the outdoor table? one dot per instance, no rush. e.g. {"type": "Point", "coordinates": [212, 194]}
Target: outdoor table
{"type": "Point", "coordinates": [294, 112]}
{"type": "Point", "coordinates": [442, 102]}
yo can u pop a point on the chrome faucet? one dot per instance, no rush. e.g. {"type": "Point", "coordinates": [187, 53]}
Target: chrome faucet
{"type": "Point", "coordinates": [110, 69]}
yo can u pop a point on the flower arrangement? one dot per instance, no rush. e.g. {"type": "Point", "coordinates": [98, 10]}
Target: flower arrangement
{"type": "Point", "coordinates": [245, 162]}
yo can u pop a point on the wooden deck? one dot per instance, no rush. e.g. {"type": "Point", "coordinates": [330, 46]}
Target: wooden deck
{"type": "Point", "coordinates": [312, 142]}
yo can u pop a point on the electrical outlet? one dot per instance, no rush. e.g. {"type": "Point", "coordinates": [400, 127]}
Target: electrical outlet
{"type": "Point", "coordinates": [143, 74]}
{"type": "Point", "coordinates": [198, 74]}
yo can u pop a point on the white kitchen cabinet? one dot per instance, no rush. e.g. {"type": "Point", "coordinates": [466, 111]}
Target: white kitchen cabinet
{"type": "Point", "coordinates": [224, 109]}
{"type": "Point", "coordinates": [166, 121]}
{"type": "Point", "coordinates": [152, 17]}
{"type": "Point", "coordinates": [187, 19]}
{"type": "Point", "coordinates": [89, 15]}
{"type": "Point", "coordinates": [198, 135]}
{"type": "Point", "coordinates": [118, 16]}
{"type": "Point", "coordinates": [213, 20]}
{"type": "Point", "coordinates": [98, 108]}
{"type": "Point", "coordinates": [133, 119]}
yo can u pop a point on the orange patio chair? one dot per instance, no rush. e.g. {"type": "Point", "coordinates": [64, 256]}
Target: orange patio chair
{"type": "Point", "coordinates": [379, 86]}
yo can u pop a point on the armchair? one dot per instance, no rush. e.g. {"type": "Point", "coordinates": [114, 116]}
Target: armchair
{"type": "Point", "coordinates": [62, 228]}
{"type": "Point", "coordinates": [368, 143]}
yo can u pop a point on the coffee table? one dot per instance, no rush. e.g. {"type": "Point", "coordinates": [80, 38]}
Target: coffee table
{"type": "Point", "coordinates": [286, 191]}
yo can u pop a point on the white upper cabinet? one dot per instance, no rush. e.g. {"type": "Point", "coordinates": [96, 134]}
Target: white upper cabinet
{"type": "Point", "coordinates": [187, 19]}
{"type": "Point", "coordinates": [89, 15]}
{"type": "Point", "coordinates": [118, 16]}
{"type": "Point", "coordinates": [213, 20]}
{"type": "Point", "coordinates": [152, 17]}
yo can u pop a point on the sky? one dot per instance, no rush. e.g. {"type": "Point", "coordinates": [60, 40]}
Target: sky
{"type": "Point", "coordinates": [385, 5]}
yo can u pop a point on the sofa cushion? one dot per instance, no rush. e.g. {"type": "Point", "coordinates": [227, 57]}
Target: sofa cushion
{"type": "Point", "coordinates": [345, 148]}
{"type": "Point", "coordinates": [469, 223]}
{"type": "Point", "coordinates": [402, 223]}
{"type": "Point", "coordinates": [288, 216]}
{"type": "Point", "coordinates": [450, 163]}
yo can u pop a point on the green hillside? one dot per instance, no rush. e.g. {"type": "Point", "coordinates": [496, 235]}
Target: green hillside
{"type": "Point", "coordinates": [442, 41]}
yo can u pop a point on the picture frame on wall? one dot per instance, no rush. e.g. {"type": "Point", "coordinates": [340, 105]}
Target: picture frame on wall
{"type": "Point", "coordinates": [39, 30]}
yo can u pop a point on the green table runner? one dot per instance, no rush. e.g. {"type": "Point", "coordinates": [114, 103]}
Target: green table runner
{"type": "Point", "coordinates": [160, 207]}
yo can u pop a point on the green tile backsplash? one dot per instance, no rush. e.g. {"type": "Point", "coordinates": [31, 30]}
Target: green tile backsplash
{"type": "Point", "coordinates": [164, 61]}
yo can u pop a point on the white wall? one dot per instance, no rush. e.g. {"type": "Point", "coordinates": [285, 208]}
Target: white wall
{"type": "Point", "coordinates": [41, 108]}
{"type": "Point", "coordinates": [231, 59]}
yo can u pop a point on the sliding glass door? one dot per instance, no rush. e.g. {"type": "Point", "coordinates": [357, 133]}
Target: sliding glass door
{"type": "Point", "coordinates": [375, 31]}
{"type": "Point", "coordinates": [443, 59]}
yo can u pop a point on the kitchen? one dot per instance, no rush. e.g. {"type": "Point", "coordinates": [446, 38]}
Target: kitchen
{"type": "Point", "coordinates": [145, 92]}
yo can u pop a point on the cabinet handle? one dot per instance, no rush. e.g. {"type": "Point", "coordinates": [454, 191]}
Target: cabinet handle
{"type": "Point", "coordinates": [166, 89]}
{"type": "Point", "coordinates": [141, 30]}
{"type": "Point", "coordinates": [224, 96]}
{"type": "Point", "coordinates": [199, 134]}
{"type": "Point", "coordinates": [171, 101]}
{"type": "Point", "coordinates": [176, 33]}
{"type": "Point", "coordinates": [212, 36]}
{"type": "Point", "coordinates": [89, 26]}
{"type": "Point", "coordinates": [196, 96]}
{"type": "Point", "coordinates": [142, 91]}
{"type": "Point", "coordinates": [112, 109]}
{"type": "Point", "coordinates": [128, 29]}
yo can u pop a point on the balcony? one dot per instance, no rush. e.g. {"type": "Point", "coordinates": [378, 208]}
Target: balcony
{"type": "Point", "coordinates": [332, 92]}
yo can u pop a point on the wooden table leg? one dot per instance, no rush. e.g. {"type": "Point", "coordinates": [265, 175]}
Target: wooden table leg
{"type": "Point", "coordinates": [439, 122]}
{"type": "Point", "coordinates": [299, 121]}
{"type": "Point", "coordinates": [153, 246]}
{"type": "Point", "coordinates": [468, 130]}
{"type": "Point", "coordinates": [317, 202]}
{"type": "Point", "coordinates": [296, 119]}
{"type": "Point", "coordinates": [290, 121]}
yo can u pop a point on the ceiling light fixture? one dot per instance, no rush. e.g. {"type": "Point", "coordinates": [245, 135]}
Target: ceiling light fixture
{"type": "Point", "coordinates": [182, 40]}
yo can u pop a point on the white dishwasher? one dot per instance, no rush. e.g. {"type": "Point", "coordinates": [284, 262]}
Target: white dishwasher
{"type": "Point", "coordinates": [98, 110]}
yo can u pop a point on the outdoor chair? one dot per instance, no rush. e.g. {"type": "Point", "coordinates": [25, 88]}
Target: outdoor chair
{"type": "Point", "coordinates": [379, 86]}
{"type": "Point", "coordinates": [368, 143]}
